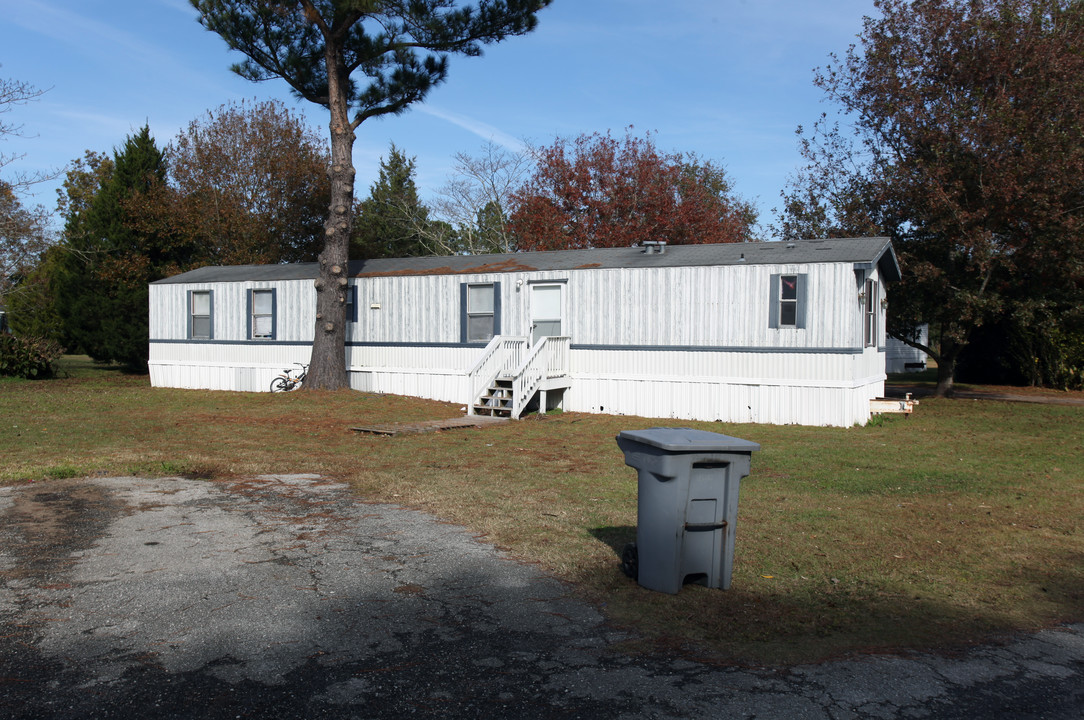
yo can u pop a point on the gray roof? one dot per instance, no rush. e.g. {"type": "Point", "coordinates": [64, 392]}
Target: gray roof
{"type": "Point", "coordinates": [862, 252]}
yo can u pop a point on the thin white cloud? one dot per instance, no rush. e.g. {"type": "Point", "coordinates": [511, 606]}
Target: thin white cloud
{"type": "Point", "coordinates": [75, 29]}
{"type": "Point", "coordinates": [103, 43]}
{"type": "Point", "coordinates": [89, 123]}
{"type": "Point", "coordinates": [479, 128]}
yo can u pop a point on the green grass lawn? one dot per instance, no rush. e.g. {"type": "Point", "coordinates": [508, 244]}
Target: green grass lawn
{"type": "Point", "coordinates": [959, 523]}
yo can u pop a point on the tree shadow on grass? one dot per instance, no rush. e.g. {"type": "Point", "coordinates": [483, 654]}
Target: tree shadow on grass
{"type": "Point", "coordinates": [82, 366]}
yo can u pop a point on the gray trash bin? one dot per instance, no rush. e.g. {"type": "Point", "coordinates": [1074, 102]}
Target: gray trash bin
{"type": "Point", "coordinates": [687, 506]}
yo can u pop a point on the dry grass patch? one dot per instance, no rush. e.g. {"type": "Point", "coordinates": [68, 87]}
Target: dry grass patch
{"type": "Point", "coordinates": [957, 524]}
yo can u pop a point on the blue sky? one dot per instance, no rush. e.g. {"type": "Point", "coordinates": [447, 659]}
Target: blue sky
{"type": "Point", "coordinates": [728, 79]}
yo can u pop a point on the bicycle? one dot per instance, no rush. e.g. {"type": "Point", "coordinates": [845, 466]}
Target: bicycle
{"type": "Point", "coordinates": [287, 381]}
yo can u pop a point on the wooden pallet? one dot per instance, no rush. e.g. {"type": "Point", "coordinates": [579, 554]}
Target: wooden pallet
{"type": "Point", "coordinates": [427, 426]}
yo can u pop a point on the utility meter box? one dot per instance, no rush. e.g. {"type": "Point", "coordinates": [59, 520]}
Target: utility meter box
{"type": "Point", "coordinates": [687, 505]}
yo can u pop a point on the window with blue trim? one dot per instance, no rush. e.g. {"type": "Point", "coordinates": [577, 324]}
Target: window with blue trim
{"type": "Point", "coordinates": [200, 315]}
{"type": "Point", "coordinates": [480, 312]}
{"type": "Point", "coordinates": [261, 314]}
{"type": "Point", "coordinates": [787, 301]}
{"type": "Point", "coordinates": [352, 304]}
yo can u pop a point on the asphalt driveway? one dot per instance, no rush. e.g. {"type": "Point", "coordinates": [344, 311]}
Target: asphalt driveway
{"type": "Point", "coordinates": [285, 596]}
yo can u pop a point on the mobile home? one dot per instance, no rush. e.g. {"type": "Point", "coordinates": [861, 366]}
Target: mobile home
{"type": "Point", "coordinates": [901, 357]}
{"type": "Point", "coordinates": [751, 332]}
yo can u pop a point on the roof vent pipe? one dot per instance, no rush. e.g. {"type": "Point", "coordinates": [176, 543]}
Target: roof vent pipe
{"type": "Point", "coordinates": [654, 247]}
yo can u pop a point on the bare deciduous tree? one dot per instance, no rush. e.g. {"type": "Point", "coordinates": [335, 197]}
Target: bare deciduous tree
{"type": "Point", "coordinates": [476, 200]}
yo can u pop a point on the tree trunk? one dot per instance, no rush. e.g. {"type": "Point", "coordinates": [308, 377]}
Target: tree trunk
{"type": "Point", "coordinates": [945, 373]}
{"type": "Point", "coordinates": [327, 366]}
{"type": "Point", "coordinates": [946, 367]}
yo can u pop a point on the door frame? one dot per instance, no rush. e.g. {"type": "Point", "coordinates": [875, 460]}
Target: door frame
{"type": "Point", "coordinates": [562, 285]}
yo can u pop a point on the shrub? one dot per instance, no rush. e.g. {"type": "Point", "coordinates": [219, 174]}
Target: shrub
{"type": "Point", "coordinates": [28, 357]}
{"type": "Point", "coordinates": [1027, 348]}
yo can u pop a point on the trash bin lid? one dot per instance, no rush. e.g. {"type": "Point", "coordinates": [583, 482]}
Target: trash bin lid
{"type": "Point", "coordinates": [689, 440]}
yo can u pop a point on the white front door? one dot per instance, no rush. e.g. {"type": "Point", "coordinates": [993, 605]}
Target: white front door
{"type": "Point", "coordinates": [547, 311]}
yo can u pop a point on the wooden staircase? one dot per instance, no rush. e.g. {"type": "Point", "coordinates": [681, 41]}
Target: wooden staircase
{"type": "Point", "coordinates": [496, 400]}
{"type": "Point", "coordinates": [510, 374]}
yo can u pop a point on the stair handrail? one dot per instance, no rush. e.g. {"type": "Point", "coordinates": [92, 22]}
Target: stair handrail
{"type": "Point", "coordinates": [559, 351]}
{"type": "Point", "coordinates": [501, 355]}
{"type": "Point", "coordinates": [528, 376]}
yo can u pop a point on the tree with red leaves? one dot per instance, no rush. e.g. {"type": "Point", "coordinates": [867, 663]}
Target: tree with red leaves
{"type": "Point", "coordinates": [598, 191]}
{"type": "Point", "coordinates": [965, 143]}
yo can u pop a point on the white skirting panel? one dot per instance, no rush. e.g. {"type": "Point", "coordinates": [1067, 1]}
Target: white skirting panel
{"type": "Point", "coordinates": [775, 388]}
{"type": "Point", "coordinates": [435, 373]}
{"type": "Point", "coordinates": [445, 386]}
{"type": "Point", "coordinates": [248, 367]}
{"type": "Point", "coordinates": [208, 377]}
{"type": "Point", "coordinates": [717, 400]}
{"type": "Point", "coordinates": [808, 389]}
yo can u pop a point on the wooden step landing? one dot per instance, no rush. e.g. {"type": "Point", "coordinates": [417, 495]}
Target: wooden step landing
{"type": "Point", "coordinates": [426, 426]}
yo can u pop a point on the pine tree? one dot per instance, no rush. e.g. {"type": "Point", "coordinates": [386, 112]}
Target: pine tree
{"type": "Point", "coordinates": [359, 60]}
{"type": "Point", "coordinates": [101, 286]}
{"type": "Point", "coordinates": [492, 227]}
{"type": "Point", "coordinates": [391, 221]}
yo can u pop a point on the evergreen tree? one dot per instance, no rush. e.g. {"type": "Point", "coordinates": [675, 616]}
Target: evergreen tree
{"type": "Point", "coordinates": [492, 228]}
{"type": "Point", "coordinates": [101, 286]}
{"type": "Point", "coordinates": [33, 310]}
{"type": "Point", "coordinates": [392, 222]}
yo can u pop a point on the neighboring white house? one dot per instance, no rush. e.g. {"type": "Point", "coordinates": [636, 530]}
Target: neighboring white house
{"type": "Point", "coordinates": [753, 332]}
{"type": "Point", "coordinates": [901, 357]}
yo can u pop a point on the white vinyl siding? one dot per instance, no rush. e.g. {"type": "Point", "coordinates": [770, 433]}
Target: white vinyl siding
{"type": "Point", "coordinates": [231, 318]}
{"type": "Point", "coordinates": [716, 307]}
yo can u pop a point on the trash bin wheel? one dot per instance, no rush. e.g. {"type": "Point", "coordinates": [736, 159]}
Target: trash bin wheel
{"type": "Point", "coordinates": [630, 561]}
